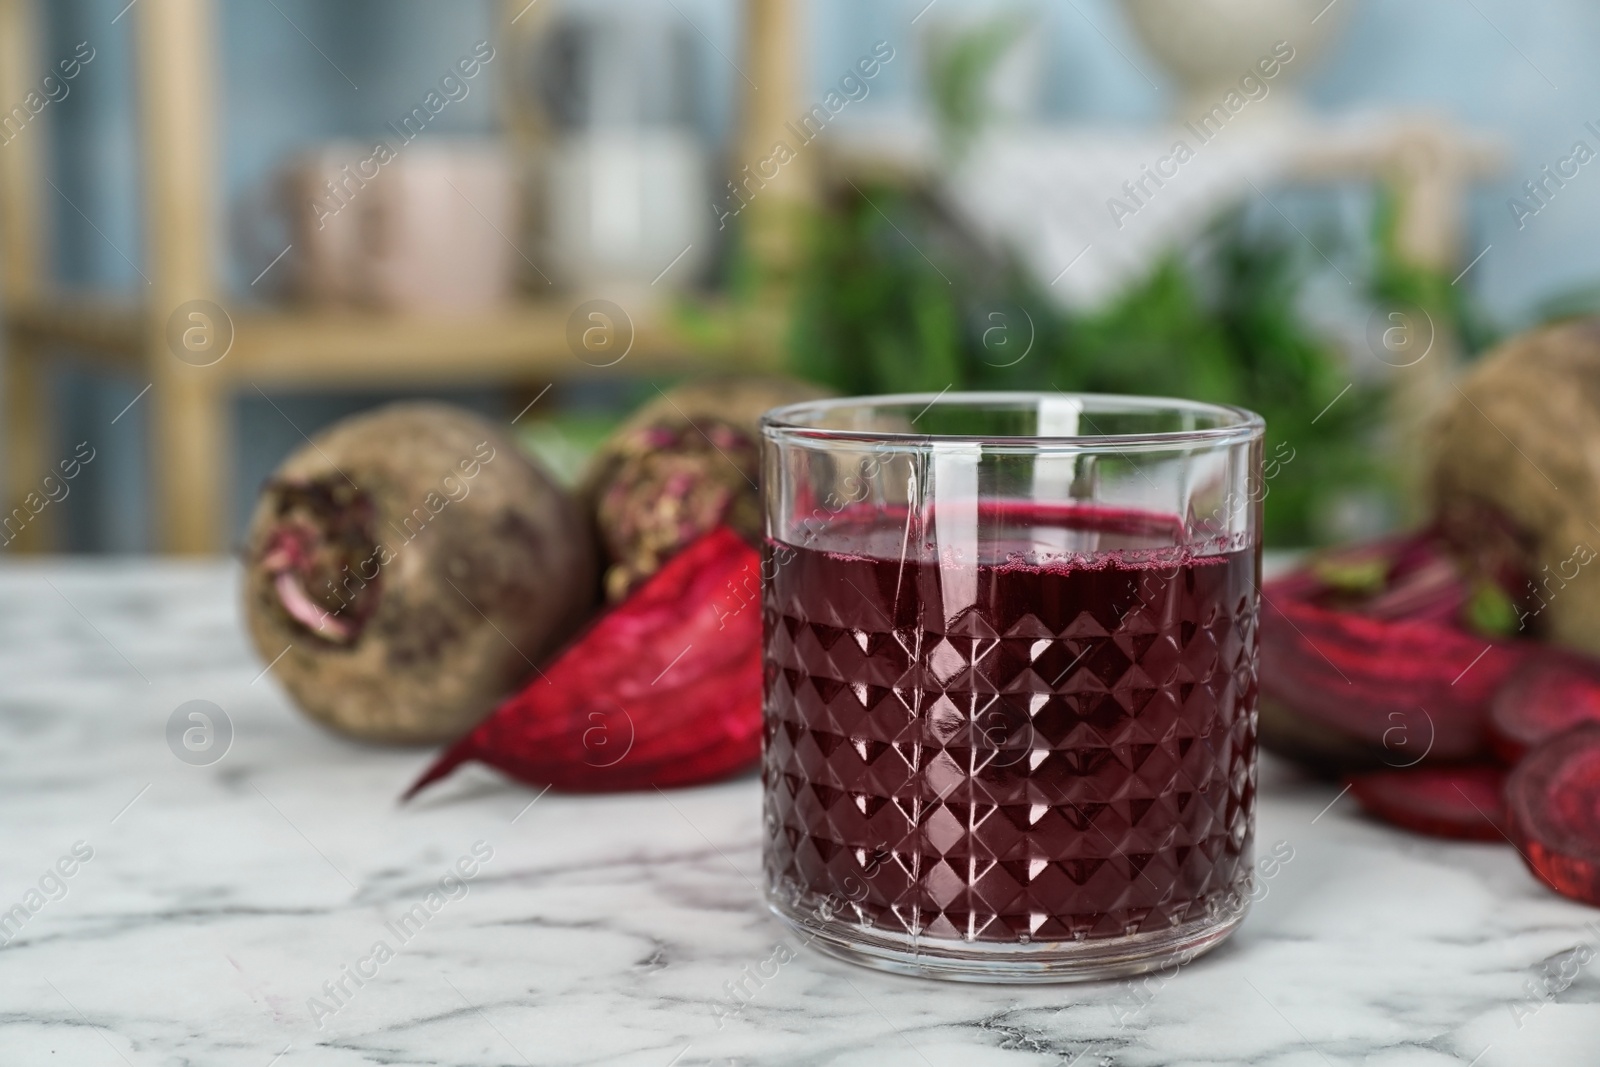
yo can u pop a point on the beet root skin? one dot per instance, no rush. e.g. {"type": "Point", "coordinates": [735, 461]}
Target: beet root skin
{"type": "Point", "coordinates": [1514, 480]}
{"type": "Point", "coordinates": [1462, 801]}
{"type": "Point", "coordinates": [1553, 797]}
{"type": "Point", "coordinates": [682, 465]}
{"type": "Point", "coordinates": [670, 485]}
{"type": "Point", "coordinates": [479, 564]}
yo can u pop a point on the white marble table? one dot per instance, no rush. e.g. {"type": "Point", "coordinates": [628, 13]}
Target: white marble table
{"type": "Point", "coordinates": [219, 899]}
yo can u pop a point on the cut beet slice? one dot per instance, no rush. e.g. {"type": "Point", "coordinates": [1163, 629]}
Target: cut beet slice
{"type": "Point", "coordinates": [1463, 801]}
{"type": "Point", "coordinates": [1553, 798]}
{"type": "Point", "coordinates": [1370, 644]}
{"type": "Point", "coordinates": [1383, 681]}
{"type": "Point", "coordinates": [1547, 695]}
{"type": "Point", "coordinates": [664, 690]}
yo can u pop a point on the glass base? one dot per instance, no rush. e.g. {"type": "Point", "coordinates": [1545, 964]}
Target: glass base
{"type": "Point", "coordinates": [1011, 963]}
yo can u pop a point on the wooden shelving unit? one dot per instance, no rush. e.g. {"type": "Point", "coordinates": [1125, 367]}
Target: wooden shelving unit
{"type": "Point", "coordinates": [190, 407]}
{"type": "Point", "coordinates": [1428, 166]}
{"type": "Point", "coordinates": [287, 347]}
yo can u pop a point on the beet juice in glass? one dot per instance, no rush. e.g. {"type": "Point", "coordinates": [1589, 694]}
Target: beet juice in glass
{"type": "Point", "coordinates": [1010, 649]}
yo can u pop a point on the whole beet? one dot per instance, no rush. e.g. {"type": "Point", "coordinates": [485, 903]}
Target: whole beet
{"type": "Point", "coordinates": [1516, 477]}
{"type": "Point", "coordinates": [682, 465]}
{"type": "Point", "coordinates": [411, 566]}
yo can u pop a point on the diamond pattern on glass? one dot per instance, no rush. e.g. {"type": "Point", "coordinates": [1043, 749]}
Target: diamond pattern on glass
{"type": "Point", "coordinates": [1080, 767]}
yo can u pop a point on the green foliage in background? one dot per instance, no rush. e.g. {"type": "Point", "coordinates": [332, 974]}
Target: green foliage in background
{"type": "Point", "coordinates": [896, 298]}
{"type": "Point", "coordinates": [961, 67]}
{"type": "Point", "coordinates": [1394, 282]}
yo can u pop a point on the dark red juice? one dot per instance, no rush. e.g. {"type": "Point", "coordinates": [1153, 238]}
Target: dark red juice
{"type": "Point", "coordinates": [1052, 741]}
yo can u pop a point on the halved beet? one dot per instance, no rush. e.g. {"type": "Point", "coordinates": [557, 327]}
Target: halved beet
{"type": "Point", "coordinates": [1547, 695]}
{"type": "Point", "coordinates": [631, 683]}
{"type": "Point", "coordinates": [1370, 643]}
{"type": "Point", "coordinates": [1553, 797]}
{"type": "Point", "coordinates": [1383, 682]}
{"type": "Point", "coordinates": [1463, 801]}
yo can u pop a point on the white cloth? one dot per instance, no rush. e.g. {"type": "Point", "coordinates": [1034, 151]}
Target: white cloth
{"type": "Point", "coordinates": [1052, 195]}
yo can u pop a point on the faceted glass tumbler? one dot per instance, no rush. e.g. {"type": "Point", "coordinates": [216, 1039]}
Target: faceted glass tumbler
{"type": "Point", "coordinates": [1011, 658]}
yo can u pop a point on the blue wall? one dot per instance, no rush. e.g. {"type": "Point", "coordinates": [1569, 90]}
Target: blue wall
{"type": "Point", "coordinates": [1489, 64]}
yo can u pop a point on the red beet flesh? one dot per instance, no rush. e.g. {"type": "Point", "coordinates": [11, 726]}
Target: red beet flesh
{"type": "Point", "coordinates": [1461, 801]}
{"type": "Point", "coordinates": [1367, 643]}
{"type": "Point", "coordinates": [1383, 681]}
{"type": "Point", "coordinates": [1554, 801]}
{"type": "Point", "coordinates": [1547, 695]}
{"type": "Point", "coordinates": [664, 690]}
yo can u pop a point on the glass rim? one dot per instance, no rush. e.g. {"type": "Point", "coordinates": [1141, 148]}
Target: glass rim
{"type": "Point", "coordinates": [798, 421]}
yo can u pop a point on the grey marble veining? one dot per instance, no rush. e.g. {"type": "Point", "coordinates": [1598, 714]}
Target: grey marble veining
{"type": "Point", "coordinates": [228, 912]}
